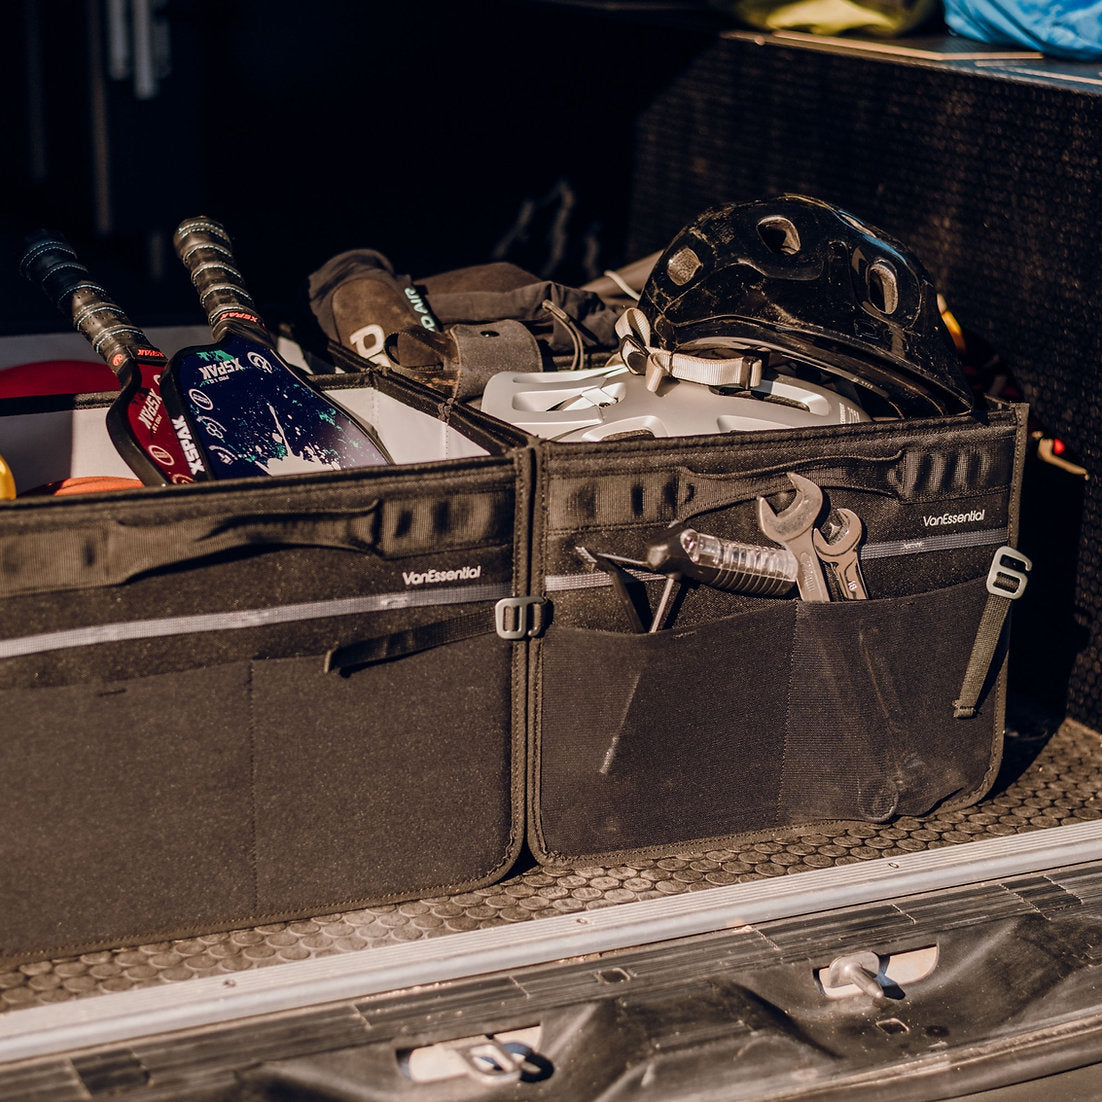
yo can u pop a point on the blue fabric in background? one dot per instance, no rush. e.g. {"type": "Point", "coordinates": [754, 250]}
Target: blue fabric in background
{"type": "Point", "coordinates": [1056, 27]}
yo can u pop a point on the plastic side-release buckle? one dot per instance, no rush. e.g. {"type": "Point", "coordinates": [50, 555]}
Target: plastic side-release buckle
{"type": "Point", "coordinates": [1006, 582]}
{"type": "Point", "coordinates": [1009, 573]}
{"type": "Point", "coordinates": [520, 617]}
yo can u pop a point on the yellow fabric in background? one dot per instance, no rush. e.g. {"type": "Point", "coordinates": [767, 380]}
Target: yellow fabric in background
{"type": "Point", "coordinates": [831, 17]}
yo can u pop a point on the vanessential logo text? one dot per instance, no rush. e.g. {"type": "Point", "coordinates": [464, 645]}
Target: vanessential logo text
{"type": "Point", "coordinates": [931, 521]}
{"type": "Point", "coordinates": [433, 576]}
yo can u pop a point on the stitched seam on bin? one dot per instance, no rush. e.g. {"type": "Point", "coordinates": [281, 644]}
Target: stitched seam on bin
{"type": "Point", "coordinates": [254, 846]}
{"type": "Point", "coordinates": [781, 786]}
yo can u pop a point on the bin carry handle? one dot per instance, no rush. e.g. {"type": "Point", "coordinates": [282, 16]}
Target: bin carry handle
{"type": "Point", "coordinates": [110, 552]}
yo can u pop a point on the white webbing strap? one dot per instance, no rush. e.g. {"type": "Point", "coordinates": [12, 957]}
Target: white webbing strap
{"type": "Point", "coordinates": [655, 364]}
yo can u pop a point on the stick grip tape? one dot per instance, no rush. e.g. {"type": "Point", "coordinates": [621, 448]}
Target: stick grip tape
{"type": "Point", "coordinates": [204, 247]}
{"type": "Point", "coordinates": [50, 262]}
{"type": "Point", "coordinates": [136, 421]}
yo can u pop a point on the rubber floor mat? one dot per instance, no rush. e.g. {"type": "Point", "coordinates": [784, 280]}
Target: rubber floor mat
{"type": "Point", "coordinates": [1048, 779]}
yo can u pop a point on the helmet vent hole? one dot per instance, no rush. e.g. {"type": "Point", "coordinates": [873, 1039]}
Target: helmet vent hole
{"type": "Point", "coordinates": [779, 236]}
{"type": "Point", "coordinates": [682, 266]}
{"type": "Point", "coordinates": [883, 288]}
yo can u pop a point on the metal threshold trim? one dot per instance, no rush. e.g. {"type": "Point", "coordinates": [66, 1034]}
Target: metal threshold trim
{"type": "Point", "coordinates": [192, 1004]}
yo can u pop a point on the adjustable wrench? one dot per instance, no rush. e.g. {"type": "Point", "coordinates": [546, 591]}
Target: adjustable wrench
{"type": "Point", "coordinates": [838, 550]}
{"type": "Point", "coordinates": [793, 527]}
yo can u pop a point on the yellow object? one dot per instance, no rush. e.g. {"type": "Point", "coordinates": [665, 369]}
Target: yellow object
{"type": "Point", "coordinates": [832, 17]}
{"type": "Point", "coordinates": [7, 482]}
{"type": "Point", "coordinates": [952, 325]}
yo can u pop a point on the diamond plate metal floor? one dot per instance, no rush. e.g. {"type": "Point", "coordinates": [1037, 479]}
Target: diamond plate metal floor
{"type": "Point", "coordinates": [1049, 778]}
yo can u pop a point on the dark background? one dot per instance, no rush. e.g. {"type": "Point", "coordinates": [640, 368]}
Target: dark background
{"type": "Point", "coordinates": [425, 131]}
{"type": "Point", "coordinates": [420, 130]}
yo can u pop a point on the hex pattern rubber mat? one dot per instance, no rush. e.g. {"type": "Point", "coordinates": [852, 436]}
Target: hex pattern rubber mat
{"type": "Point", "coordinates": [1048, 779]}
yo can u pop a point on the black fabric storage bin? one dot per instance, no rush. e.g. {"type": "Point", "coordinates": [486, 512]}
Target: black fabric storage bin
{"type": "Point", "coordinates": [234, 703]}
{"type": "Point", "coordinates": [754, 714]}
{"type": "Point", "coordinates": [230, 703]}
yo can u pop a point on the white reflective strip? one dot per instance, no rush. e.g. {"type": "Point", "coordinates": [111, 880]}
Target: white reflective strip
{"type": "Point", "coordinates": [246, 618]}
{"type": "Point", "coordinates": [946, 541]}
{"type": "Point", "coordinates": [563, 583]}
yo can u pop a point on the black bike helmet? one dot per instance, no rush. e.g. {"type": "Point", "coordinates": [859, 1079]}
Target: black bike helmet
{"type": "Point", "coordinates": [800, 279]}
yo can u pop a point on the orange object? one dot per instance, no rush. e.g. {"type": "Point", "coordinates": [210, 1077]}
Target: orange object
{"type": "Point", "coordinates": [87, 484]}
{"type": "Point", "coordinates": [7, 482]}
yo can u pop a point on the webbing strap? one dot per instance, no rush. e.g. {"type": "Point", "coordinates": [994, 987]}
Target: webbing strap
{"type": "Point", "coordinates": [1006, 581]}
{"type": "Point", "coordinates": [513, 619]}
{"type": "Point", "coordinates": [654, 364]}
{"type": "Point", "coordinates": [398, 644]}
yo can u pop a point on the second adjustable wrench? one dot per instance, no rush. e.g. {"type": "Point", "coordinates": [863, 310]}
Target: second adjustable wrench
{"type": "Point", "coordinates": [792, 527]}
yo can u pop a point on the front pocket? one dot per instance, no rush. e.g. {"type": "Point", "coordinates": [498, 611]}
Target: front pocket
{"type": "Point", "coordinates": [646, 741]}
{"type": "Point", "coordinates": [137, 809]}
{"type": "Point", "coordinates": [792, 713]}
{"type": "Point", "coordinates": [871, 730]}
{"type": "Point", "coordinates": [392, 781]}
{"type": "Point", "coordinates": [125, 808]}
